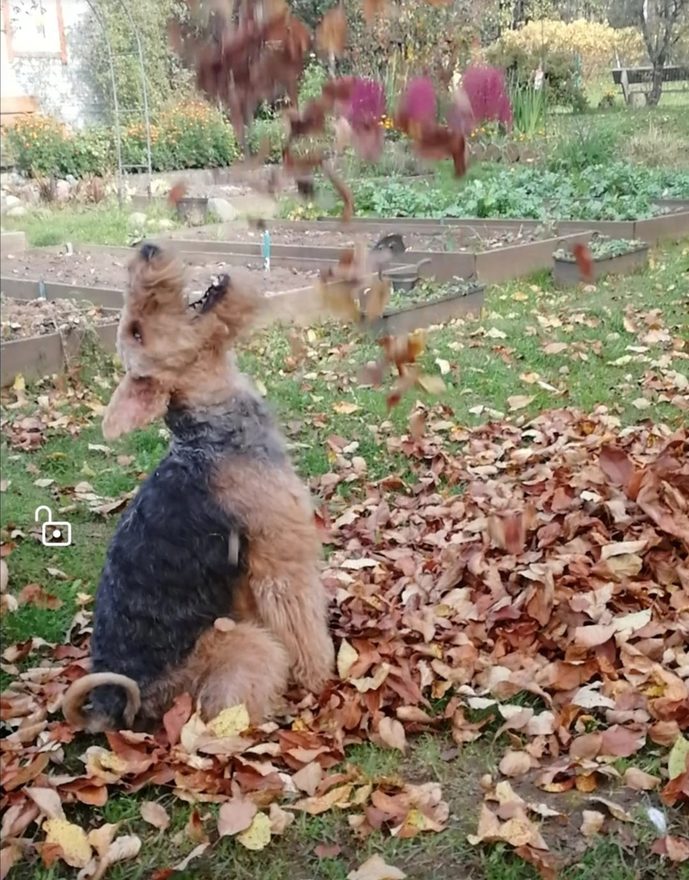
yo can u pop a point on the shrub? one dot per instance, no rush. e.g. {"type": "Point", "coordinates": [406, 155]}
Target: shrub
{"type": "Point", "coordinates": [562, 75]}
{"type": "Point", "coordinates": [41, 146]}
{"type": "Point", "coordinates": [485, 88]}
{"type": "Point", "coordinates": [268, 133]}
{"type": "Point", "coordinates": [594, 43]}
{"type": "Point", "coordinates": [188, 135]}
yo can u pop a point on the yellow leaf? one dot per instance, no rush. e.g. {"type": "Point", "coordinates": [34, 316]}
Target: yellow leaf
{"type": "Point", "coordinates": [346, 409]}
{"type": "Point", "coordinates": [678, 757]}
{"type": "Point", "coordinates": [346, 658]}
{"type": "Point", "coordinates": [431, 384]}
{"type": "Point", "coordinates": [230, 722]}
{"type": "Point", "coordinates": [257, 835]}
{"type": "Point", "coordinates": [19, 383]}
{"type": "Point", "coordinates": [72, 840]}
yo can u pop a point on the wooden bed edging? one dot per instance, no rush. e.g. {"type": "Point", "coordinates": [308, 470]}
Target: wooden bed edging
{"type": "Point", "coordinates": [36, 356]}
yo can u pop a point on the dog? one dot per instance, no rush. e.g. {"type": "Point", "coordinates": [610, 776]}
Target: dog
{"type": "Point", "coordinates": [211, 583]}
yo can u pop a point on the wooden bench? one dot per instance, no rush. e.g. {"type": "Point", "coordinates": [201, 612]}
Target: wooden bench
{"type": "Point", "coordinates": [637, 80]}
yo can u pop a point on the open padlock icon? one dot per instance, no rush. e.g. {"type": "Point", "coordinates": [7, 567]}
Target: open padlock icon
{"type": "Point", "coordinates": [53, 534]}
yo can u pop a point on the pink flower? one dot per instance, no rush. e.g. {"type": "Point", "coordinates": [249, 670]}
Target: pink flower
{"type": "Point", "coordinates": [418, 101]}
{"type": "Point", "coordinates": [485, 88]}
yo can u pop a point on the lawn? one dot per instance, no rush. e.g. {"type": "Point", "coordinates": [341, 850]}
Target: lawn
{"type": "Point", "coordinates": [617, 351]}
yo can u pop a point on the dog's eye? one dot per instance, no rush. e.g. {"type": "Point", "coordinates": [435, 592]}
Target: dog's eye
{"type": "Point", "coordinates": [135, 330]}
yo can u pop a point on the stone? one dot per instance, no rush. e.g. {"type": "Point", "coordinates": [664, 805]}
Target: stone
{"type": "Point", "coordinates": [160, 187]}
{"type": "Point", "coordinates": [222, 209]}
{"type": "Point", "coordinates": [62, 191]}
{"type": "Point", "coordinates": [136, 220]}
{"type": "Point", "coordinates": [9, 202]}
{"type": "Point", "coordinates": [17, 211]}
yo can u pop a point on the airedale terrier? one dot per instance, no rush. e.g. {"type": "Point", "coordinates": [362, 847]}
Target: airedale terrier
{"type": "Point", "coordinates": [222, 528]}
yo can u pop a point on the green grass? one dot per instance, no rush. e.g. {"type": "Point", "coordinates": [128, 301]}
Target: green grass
{"type": "Point", "coordinates": [105, 223]}
{"type": "Point", "coordinates": [486, 368]}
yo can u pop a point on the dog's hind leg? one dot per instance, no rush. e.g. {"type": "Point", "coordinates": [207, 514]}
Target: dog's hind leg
{"type": "Point", "coordinates": [284, 551]}
{"type": "Point", "coordinates": [245, 664]}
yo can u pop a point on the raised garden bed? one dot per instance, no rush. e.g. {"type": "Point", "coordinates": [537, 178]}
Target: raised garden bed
{"type": "Point", "coordinates": [499, 262]}
{"type": "Point", "coordinates": [42, 337]}
{"type": "Point", "coordinates": [609, 257]}
{"type": "Point", "coordinates": [426, 304]}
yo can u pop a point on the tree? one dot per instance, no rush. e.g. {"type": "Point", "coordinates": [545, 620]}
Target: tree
{"type": "Point", "coordinates": [165, 77]}
{"type": "Point", "coordinates": [661, 24]}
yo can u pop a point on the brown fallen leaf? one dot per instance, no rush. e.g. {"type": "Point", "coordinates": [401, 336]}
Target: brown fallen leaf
{"type": "Point", "coordinates": [391, 734]}
{"type": "Point", "coordinates": [155, 814]}
{"type": "Point", "coordinates": [327, 850]}
{"type": "Point", "coordinates": [592, 823]}
{"type": "Point", "coordinates": [236, 815]}
{"type": "Point", "coordinates": [515, 763]}
{"type": "Point", "coordinates": [640, 780]}
{"type": "Point", "coordinates": [375, 868]}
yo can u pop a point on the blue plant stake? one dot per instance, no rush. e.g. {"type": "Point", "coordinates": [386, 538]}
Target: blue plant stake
{"type": "Point", "coordinates": [265, 249]}
{"type": "Point", "coordinates": [41, 289]}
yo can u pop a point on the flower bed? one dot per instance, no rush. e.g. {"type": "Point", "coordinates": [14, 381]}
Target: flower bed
{"type": "Point", "coordinates": [426, 304]}
{"type": "Point", "coordinates": [610, 256]}
{"type": "Point", "coordinates": [188, 135]}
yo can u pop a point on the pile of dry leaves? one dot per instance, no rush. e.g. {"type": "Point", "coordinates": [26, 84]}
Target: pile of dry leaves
{"type": "Point", "coordinates": [561, 571]}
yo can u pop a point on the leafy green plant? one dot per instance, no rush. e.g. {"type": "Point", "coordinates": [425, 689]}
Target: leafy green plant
{"type": "Point", "coordinates": [429, 291]}
{"type": "Point", "coordinates": [528, 109]}
{"type": "Point", "coordinates": [187, 135]}
{"type": "Point", "coordinates": [583, 148]}
{"type": "Point", "coordinates": [603, 247]}
{"type": "Point", "coordinates": [614, 191]}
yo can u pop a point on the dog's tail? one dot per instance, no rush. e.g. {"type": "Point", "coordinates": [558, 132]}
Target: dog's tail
{"type": "Point", "coordinates": [75, 697]}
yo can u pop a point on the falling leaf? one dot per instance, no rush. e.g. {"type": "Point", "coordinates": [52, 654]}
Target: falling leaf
{"type": "Point", "coordinates": [236, 815]}
{"type": "Point", "coordinates": [331, 33]}
{"type": "Point", "coordinates": [584, 261]}
{"type": "Point", "coordinates": [443, 366]}
{"type": "Point", "coordinates": [375, 868]}
{"type": "Point", "coordinates": [155, 814]}
{"type": "Point", "coordinates": [391, 734]}
{"type": "Point", "coordinates": [592, 823]}
{"type": "Point", "coordinates": [257, 835]}
{"type": "Point", "coordinates": [230, 722]}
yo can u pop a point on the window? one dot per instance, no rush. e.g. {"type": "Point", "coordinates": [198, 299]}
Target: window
{"type": "Point", "coordinates": [34, 28]}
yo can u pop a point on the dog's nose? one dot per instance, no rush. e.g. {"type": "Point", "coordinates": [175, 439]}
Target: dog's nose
{"type": "Point", "coordinates": [148, 251]}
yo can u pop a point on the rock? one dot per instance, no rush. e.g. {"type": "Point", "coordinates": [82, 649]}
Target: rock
{"type": "Point", "coordinates": [136, 220]}
{"type": "Point", "coordinates": [160, 187]}
{"type": "Point", "coordinates": [62, 190]}
{"type": "Point", "coordinates": [9, 202]}
{"type": "Point", "coordinates": [31, 194]}
{"type": "Point", "coordinates": [164, 223]}
{"type": "Point", "coordinates": [222, 209]}
{"type": "Point", "coordinates": [16, 211]}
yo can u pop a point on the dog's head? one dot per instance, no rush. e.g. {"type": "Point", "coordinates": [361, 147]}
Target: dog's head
{"type": "Point", "coordinates": [170, 348]}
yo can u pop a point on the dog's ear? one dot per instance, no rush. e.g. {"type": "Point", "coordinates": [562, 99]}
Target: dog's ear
{"type": "Point", "coordinates": [135, 403]}
{"type": "Point", "coordinates": [229, 309]}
